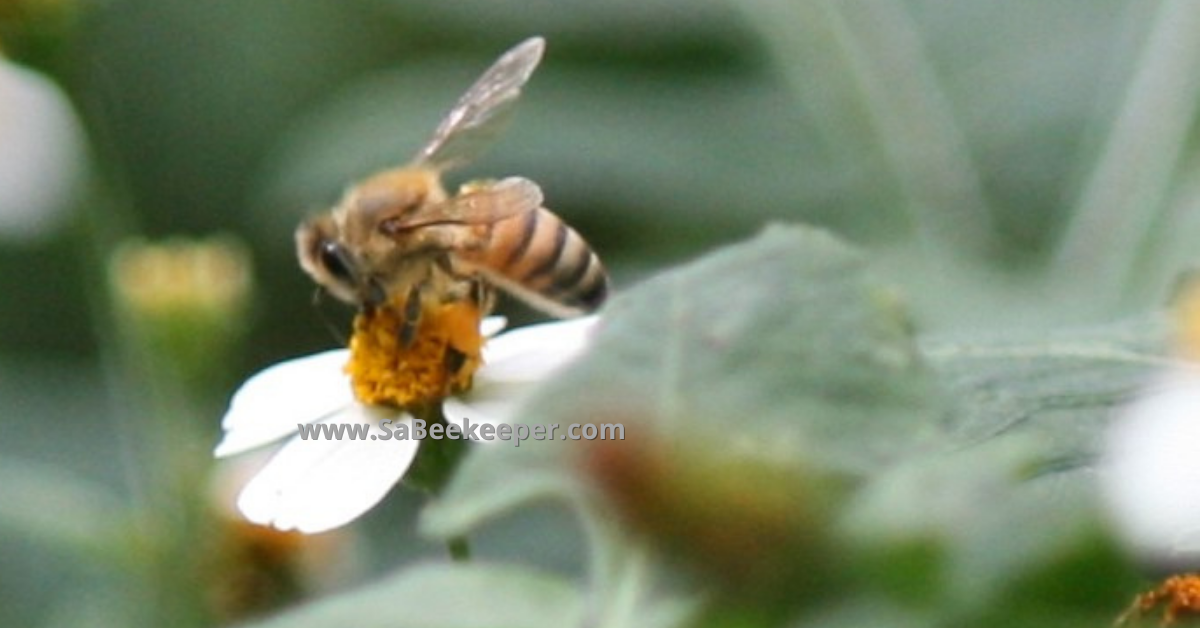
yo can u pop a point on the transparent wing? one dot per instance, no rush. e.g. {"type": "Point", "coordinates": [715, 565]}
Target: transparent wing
{"type": "Point", "coordinates": [482, 113]}
{"type": "Point", "coordinates": [478, 203]}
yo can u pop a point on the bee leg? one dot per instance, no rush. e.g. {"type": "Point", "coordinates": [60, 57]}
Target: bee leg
{"type": "Point", "coordinates": [478, 292]}
{"type": "Point", "coordinates": [412, 317]}
{"type": "Point", "coordinates": [482, 296]}
{"type": "Point", "coordinates": [454, 360]}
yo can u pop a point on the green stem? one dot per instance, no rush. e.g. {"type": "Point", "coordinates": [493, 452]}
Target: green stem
{"type": "Point", "coordinates": [436, 462]}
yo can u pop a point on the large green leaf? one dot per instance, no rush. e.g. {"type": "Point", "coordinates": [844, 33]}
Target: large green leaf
{"type": "Point", "coordinates": [784, 350]}
{"type": "Point", "coordinates": [781, 348]}
{"type": "Point", "coordinates": [447, 596]}
{"type": "Point", "coordinates": [1059, 387]}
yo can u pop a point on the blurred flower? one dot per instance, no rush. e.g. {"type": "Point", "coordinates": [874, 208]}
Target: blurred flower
{"type": "Point", "coordinates": [254, 569]}
{"type": "Point", "coordinates": [1152, 469]}
{"type": "Point", "coordinates": [183, 277]}
{"type": "Point", "coordinates": [322, 483]}
{"type": "Point", "coordinates": [185, 300]}
{"type": "Point", "coordinates": [41, 153]}
{"type": "Point", "coordinates": [1151, 463]}
{"type": "Point", "coordinates": [761, 531]}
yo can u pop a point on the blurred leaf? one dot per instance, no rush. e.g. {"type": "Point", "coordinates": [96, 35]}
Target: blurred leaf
{"type": "Point", "coordinates": [1011, 517]}
{"type": "Point", "coordinates": [782, 347]}
{"type": "Point", "coordinates": [52, 506]}
{"type": "Point", "coordinates": [623, 24]}
{"type": "Point", "coordinates": [446, 596]}
{"type": "Point", "coordinates": [981, 530]}
{"type": "Point", "coordinates": [1058, 387]}
{"type": "Point", "coordinates": [867, 610]}
{"type": "Point", "coordinates": [1128, 186]}
{"type": "Point", "coordinates": [779, 348]}
{"type": "Point", "coordinates": [783, 350]}
{"type": "Point", "coordinates": [863, 69]}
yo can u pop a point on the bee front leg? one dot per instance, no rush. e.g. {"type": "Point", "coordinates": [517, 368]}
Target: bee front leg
{"type": "Point", "coordinates": [412, 317]}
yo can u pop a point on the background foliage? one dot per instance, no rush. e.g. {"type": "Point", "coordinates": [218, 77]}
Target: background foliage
{"type": "Point", "coordinates": [1010, 176]}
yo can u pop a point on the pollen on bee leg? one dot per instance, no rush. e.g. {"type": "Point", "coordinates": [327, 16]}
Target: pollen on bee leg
{"type": "Point", "coordinates": [440, 361]}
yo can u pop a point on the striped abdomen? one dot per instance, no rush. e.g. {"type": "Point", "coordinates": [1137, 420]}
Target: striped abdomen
{"type": "Point", "coordinates": [538, 258]}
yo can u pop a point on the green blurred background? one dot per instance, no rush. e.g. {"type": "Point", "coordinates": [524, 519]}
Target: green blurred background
{"type": "Point", "coordinates": [965, 143]}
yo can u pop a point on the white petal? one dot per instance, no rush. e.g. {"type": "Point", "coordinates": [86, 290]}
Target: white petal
{"type": "Point", "coordinates": [1152, 470]}
{"type": "Point", "coordinates": [533, 353]}
{"type": "Point", "coordinates": [492, 325]}
{"type": "Point", "coordinates": [41, 153]}
{"type": "Point", "coordinates": [271, 403]}
{"type": "Point", "coordinates": [480, 410]}
{"type": "Point", "coordinates": [317, 485]}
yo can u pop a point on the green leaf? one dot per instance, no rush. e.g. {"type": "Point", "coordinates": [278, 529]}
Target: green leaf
{"type": "Point", "coordinates": [1058, 387]}
{"type": "Point", "coordinates": [781, 347]}
{"type": "Point", "coordinates": [1010, 515]}
{"type": "Point", "coordinates": [966, 453]}
{"type": "Point", "coordinates": [446, 596]}
{"type": "Point", "coordinates": [979, 527]}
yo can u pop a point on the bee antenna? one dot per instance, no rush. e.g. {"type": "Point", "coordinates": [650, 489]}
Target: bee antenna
{"type": "Point", "coordinates": [318, 301]}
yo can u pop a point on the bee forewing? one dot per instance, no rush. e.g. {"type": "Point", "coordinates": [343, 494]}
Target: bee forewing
{"type": "Point", "coordinates": [483, 111]}
{"type": "Point", "coordinates": [482, 203]}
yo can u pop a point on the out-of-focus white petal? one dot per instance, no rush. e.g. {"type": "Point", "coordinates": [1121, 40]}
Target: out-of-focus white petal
{"type": "Point", "coordinates": [317, 485]}
{"type": "Point", "coordinates": [532, 353]}
{"type": "Point", "coordinates": [1152, 469]}
{"type": "Point", "coordinates": [272, 402]}
{"type": "Point", "coordinates": [484, 408]}
{"type": "Point", "coordinates": [514, 363]}
{"type": "Point", "coordinates": [492, 325]}
{"type": "Point", "coordinates": [41, 153]}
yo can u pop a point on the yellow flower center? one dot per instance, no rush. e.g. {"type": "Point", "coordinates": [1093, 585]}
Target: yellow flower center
{"type": "Point", "coordinates": [442, 357]}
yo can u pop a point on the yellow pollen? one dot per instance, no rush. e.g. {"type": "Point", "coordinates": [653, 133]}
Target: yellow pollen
{"type": "Point", "coordinates": [444, 354]}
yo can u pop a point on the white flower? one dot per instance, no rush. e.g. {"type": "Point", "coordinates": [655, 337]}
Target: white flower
{"type": "Point", "coordinates": [319, 484]}
{"type": "Point", "coordinates": [1151, 469]}
{"type": "Point", "coordinates": [514, 363]}
{"type": "Point", "coordinates": [41, 152]}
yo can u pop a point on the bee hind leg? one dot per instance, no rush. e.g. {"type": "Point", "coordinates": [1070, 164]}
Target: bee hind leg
{"type": "Point", "coordinates": [412, 317]}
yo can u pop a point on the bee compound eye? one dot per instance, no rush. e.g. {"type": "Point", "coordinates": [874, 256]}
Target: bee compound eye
{"type": "Point", "coordinates": [335, 260]}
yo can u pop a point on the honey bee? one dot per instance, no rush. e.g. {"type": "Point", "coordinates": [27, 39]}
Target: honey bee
{"type": "Point", "coordinates": [399, 233]}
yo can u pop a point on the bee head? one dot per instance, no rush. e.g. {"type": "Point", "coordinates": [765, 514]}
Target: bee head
{"type": "Point", "coordinates": [334, 266]}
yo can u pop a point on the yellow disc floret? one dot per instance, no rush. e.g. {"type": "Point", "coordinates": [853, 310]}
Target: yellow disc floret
{"type": "Point", "coordinates": [442, 357]}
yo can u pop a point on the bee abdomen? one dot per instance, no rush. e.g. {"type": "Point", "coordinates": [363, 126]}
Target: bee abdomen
{"type": "Point", "coordinates": [539, 258]}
